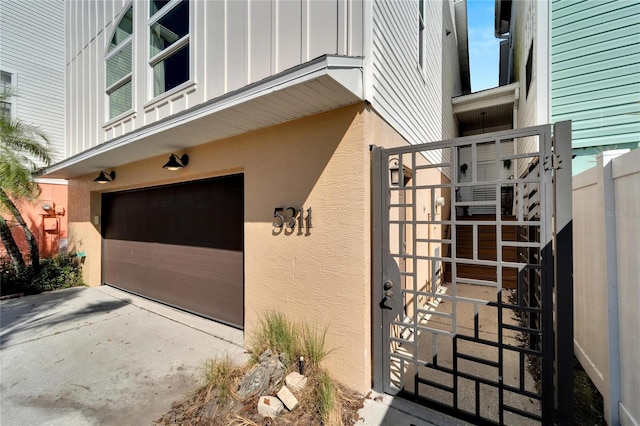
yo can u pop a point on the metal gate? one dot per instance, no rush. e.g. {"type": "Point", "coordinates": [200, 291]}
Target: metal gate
{"type": "Point", "coordinates": [471, 312]}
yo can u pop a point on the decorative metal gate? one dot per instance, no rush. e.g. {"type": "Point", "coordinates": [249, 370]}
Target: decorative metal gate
{"type": "Point", "coordinates": [467, 318]}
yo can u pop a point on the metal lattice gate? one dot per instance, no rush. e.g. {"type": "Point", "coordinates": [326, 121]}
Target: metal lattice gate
{"type": "Point", "coordinates": [469, 318]}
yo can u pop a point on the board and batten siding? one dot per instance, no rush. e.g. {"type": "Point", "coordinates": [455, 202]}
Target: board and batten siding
{"type": "Point", "coordinates": [596, 70]}
{"type": "Point", "coordinates": [32, 48]}
{"type": "Point", "coordinates": [233, 43]}
{"type": "Point", "coordinates": [415, 100]}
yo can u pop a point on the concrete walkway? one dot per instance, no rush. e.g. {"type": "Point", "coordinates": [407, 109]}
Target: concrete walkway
{"type": "Point", "coordinates": [88, 356]}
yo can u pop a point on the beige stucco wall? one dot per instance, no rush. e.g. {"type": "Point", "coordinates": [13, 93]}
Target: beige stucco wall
{"type": "Point", "coordinates": [322, 275]}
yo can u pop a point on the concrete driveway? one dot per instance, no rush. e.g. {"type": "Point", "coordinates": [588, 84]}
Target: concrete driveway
{"type": "Point", "coordinates": [89, 356]}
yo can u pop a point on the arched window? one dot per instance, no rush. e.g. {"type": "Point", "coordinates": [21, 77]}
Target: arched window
{"type": "Point", "coordinates": [169, 44]}
{"type": "Point", "coordinates": [119, 61]}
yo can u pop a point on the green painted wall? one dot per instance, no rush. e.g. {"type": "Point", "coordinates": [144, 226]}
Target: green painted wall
{"type": "Point", "coordinates": [595, 74]}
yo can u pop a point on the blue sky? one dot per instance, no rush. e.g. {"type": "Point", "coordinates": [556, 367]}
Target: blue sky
{"type": "Point", "coordinates": [483, 46]}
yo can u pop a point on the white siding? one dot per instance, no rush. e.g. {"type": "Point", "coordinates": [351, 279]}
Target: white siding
{"type": "Point", "coordinates": [32, 46]}
{"type": "Point", "coordinates": [417, 102]}
{"type": "Point", "coordinates": [233, 43]}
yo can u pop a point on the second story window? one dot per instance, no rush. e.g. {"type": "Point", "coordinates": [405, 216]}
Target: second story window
{"type": "Point", "coordinates": [119, 61]}
{"type": "Point", "coordinates": [6, 90]}
{"type": "Point", "coordinates": [169, 44]}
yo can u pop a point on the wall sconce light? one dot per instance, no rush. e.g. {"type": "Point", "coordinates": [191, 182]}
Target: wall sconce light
{"type": "Point", "coordinates": [105, 177]}
{"type": "Point", "coordinates": [394, 171]}
{"type": "Point", "coordinates": [397, 171]}
{"type": "Point", "coordinates": [176, 163]}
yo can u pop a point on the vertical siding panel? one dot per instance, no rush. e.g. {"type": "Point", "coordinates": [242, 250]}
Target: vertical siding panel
{"type": "Point", "coordinates": [233, 43]}
{"type": "Point", "coordinates": [322, 31]}
{"type": "Point", "coordinates": [259, 54]}
{"type": "Point", "coordinates": [83, 122]}
{"type": "Point", "coordinates": [356, 28]}
{"type": "Point", "coordinates": [342, 27]}
{"type": "Point", "coordinates": [215, 36]}
{"type": "Point", "coordinates": [288, 34]}
{"type": "Point", "coordinates": [100, 103]}
{"type": "Point", "coordinates": [198, 54]}
{"type": "Point", "coordinates": [236, 64]}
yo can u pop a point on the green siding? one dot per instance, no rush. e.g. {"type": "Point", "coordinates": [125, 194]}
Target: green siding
{"type": "Point", "coordinates": [595, 70]}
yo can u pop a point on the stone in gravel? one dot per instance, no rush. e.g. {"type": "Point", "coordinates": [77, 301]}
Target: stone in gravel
{"type": "Point", "coordinates": [269, 406]}
{"type": "Point", "coordinates": [295, 381]}
{"type": "Point", "coordinates": [287, 398]}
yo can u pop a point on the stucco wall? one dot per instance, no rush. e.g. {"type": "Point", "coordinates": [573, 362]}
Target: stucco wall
{"type": "Point", "coordinates": [322, 275]}
{"type": "Point", "coordinates": [48, 227]}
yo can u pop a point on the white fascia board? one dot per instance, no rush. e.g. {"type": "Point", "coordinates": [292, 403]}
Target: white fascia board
{"type": "Point", "coordinates": [51, 181]}
{"type": "Point", "coordinates": [347, 71]}
{"type": "Point", "coordinates": [487, 98]}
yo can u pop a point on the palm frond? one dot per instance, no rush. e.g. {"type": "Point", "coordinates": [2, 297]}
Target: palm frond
{"type": "Point", "coordinates": [23, 150]}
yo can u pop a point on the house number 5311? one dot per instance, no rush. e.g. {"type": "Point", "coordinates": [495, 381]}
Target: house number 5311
{"type": "Point", "coordinates": [289, 216]}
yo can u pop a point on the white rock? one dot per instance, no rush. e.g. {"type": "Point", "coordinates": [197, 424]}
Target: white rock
{"type": "Point", "coordinates": [287, 398]}
{"type": "Point", "coordinates": [269, 406]}
{"type": "Point", "coordinates": [295, 381]}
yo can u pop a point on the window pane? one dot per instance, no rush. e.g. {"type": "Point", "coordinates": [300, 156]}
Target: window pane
{"type": "Point", "coordinates": [156, 5]}
{"type": "Point", "coordinates": [171, 72]}
{"type": "Point", "coordinates": [120, 100]}
{"type": "Point", "coordinates": [119, 65]}
{"type": "Point", "coordinates": [170, 28]}
{"type": "Point", "coordinates": [124, 30]}
{"type": "Point", "coordinates": [5, 109]}
{"type": "Point", "coordinates": [5, 78]}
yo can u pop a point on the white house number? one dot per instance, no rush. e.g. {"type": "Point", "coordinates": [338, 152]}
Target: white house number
{"type": "Point", "coordinates": [289, 216]}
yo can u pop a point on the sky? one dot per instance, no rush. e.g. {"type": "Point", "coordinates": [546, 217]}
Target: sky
{"type": "Point", "coordinates": [483, 46]}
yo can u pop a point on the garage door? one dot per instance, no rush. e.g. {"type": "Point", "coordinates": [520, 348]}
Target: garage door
{"type": "Point", "coordinates": [179, 244]}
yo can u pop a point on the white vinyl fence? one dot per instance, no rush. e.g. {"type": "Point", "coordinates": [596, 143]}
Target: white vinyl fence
{"type": "Point", "coordinates": [606, 256]}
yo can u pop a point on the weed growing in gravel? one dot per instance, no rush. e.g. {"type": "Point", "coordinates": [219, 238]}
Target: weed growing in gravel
{"type": "Point", "coordinates": [277, 333]}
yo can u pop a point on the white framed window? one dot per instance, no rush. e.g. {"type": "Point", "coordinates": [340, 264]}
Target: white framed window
{"type": "Point", "coordinates": [421, 34]}
{"type": "Point", "coordinates": [7, 89]}
{"type": "Point", "coordinates": [169, 47]}
{"type": "Point", "coordinates": [119, 66]}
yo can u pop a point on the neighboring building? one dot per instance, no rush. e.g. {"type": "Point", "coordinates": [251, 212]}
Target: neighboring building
{"type": "Point", "coordinates": [32, 67]}
{"type": "Point", "coordinates": [581, 62]}
{"type": "Point", "coordinates": [276, 104]}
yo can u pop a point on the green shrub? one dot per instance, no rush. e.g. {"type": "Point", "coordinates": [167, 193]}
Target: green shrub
{"type": "Point", "coordinates": [55, 273]}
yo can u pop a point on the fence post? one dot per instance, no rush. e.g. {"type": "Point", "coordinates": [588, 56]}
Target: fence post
{"type": "Point", "coordinates": [612, 399]}
{"type": "Point", "coordinates": [563, 271]}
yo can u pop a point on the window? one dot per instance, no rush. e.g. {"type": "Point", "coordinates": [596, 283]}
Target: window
{"type": "Point", "coordinates": [6, 90]}
{"type": "Point", "coordinates": [119, 61]}
{"type": "Point", "coordinates": [529, 68]}
{"type": "Point", "coordinates": [169, 44]}
{"type": "Point", "coordinates": [421, 27]}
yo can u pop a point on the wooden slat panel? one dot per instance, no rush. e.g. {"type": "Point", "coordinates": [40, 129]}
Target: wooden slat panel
{"type": "Point", "coordinates": [179, 244]}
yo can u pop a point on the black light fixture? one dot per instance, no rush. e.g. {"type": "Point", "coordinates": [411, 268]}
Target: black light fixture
{"type": "Point", "coordinates": [394, 171]}
{"type": "Point", "coordinates": [176, 163]}
{"type": "Point", "coordinates": [105, 177]}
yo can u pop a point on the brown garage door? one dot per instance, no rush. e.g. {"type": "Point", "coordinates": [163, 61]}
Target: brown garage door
{"type": "Point", "coordinates": [179, 244]}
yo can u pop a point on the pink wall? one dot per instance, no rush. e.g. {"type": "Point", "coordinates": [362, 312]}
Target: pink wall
{"type": "Point", "coordinates": [49, 227]}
